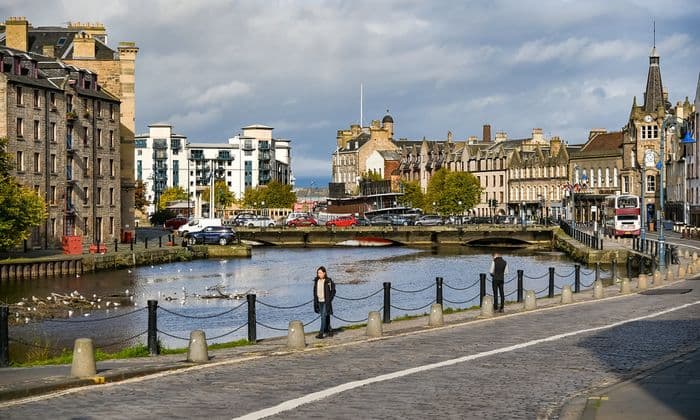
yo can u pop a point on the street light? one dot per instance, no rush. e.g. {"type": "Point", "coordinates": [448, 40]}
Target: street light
{"type": "Point", "coordinates": [677, 123]}
{"type": "Point", "coordinates": [522, 211]}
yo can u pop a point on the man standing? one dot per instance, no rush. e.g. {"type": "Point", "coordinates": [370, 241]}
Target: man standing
{"type": "Point", "coordinates": [499, 269]}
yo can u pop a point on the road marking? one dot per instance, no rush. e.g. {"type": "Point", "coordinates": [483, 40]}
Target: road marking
{"type": "Point", "coordinates": [319, 395]}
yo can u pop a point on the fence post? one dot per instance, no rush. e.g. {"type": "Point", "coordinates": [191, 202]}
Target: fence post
{"type": "Point", "coordinates": [482, 287]}
{"type": "Point", "coordinates": [520, 286]}
{"type": "Point", "coordinates": [145, 242]}
{"type": "Point", "coordinates": [160, 242]}
{"type": "Point", "coordinates": [613, 268]}
{"type": "Point", "coordinates": [387, 302]}
{"type": "Point", "coordinates": [131, 244]}
{"type": "Point", "coordinates": [551, 282]}
{"type": "Point", "coordinates": [153, 349]}
{"type": "Point", "coordinates": [438, 290]}
{"type": "Point", "coordinates": [597, 271]}
{"type": "Point", "coordinates": [4, 337]}
{"type": "Point", "coordinates": [252, 321]}
{"type": "Point", "coordinates": [116, 245]}
{"type": "Point", "coordinates": [577, 278]}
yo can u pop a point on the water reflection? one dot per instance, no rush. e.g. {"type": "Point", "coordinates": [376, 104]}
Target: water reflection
{"type": "Point", "coordinates": [280, 277]}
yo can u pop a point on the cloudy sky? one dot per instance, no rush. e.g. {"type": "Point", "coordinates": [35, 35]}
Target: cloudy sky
{"type": "Point", "coordinates": [210, 67]}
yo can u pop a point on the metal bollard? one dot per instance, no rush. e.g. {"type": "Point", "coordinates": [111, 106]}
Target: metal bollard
{"type": "Point", "coordinates": [482, 287]}
{"type": "Point", "coordinates": [597, 271]}
{"type": "Point", "coordinates": [160, 242]}
{"type": "Point", "coordinates": [551, 282]}
{"type": "Point", "coordinates": [387, 302]}
{"type": "Point", "coordinates": [116, 245]}
{"type": "Point", "coordinates": [613, 269]}
{"type": "Point", "coordinates": [577, 278]}
{"type": "Point", "coordinates": [153, 349]}
{"type": "Point", "coordinates": [145, 242]}
{"type": "Point", "coordinates": [252, 321]}
{"type": "Point", "coordinates": [438, 290]}
{"type": "Point", "coordinates": [520, 285]}
{"type": "Point", "coordinates": [4, 337]}
{"type": "Point", "coordinates": [131, 244]}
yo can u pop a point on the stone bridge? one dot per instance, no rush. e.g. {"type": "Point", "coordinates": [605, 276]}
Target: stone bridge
{"type": "Point", "coordinates": [508, 235]}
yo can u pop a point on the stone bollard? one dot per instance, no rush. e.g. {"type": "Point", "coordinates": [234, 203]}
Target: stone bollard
{"type": "Point", "coordinates": [686, 254]}
{"type": "Point", "coordinates": [625, 286]}
{"type": "Point", "coordinates": [530, 300]}
{"type": "Point", "coordinates": [374, 324]}
{"type": "Point", "coordinates": [296, 340]}
{"type": "Point", "coordinates": [83, 359]}
{"type": "Point", "coordinates": [642, 282]}
{"type": "Point", "coordinates": [689, 269]}
{"type": "Point", "coordinates": [487, 307]}
{"type": "Point", "coordinates": [681, 272]}
{"type": "Point", "coordinates": [198, 351]}
{"type": "Point", "coordinates": [695, 256]}
{"type": "Point", "coordinates": [658, 278]}
{"type": "Point", "coordinates": [598, 289]}
{"type": "Point", "coordinates": [436, 319]}
{"type": "Point", "coordinates": [669, 276]}
{"type": "Point", "coordinates": [566, 295]}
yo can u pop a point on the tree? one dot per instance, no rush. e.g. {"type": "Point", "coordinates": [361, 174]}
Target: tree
{"type": "Point", "coordinates": [224, 197]}
{"type": "Point", "coordinates": [22, 208]}
{"type": "Point", "coordinates": [371, 177]}
{"type": "Point", "coordinates": [140, 201]}
{"type": "Point", "coordinates": [159, 217]}
{"type": "Point", "coordinates": [171, 194]}
{"type": "Point", "coordinates": [452, 192]}
{"type": "Point", "coordinates": [412, 195]}
{"type": "Point", "coordinates": [274, 195]}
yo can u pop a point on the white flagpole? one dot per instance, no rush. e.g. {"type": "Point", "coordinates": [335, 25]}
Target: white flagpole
{"type": "Point", "coordinates": [361, 98]}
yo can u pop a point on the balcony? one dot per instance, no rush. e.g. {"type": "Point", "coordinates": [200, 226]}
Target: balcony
{"type": "Point", "coordinates": [197, 155]}
{"type": "Point", "coordinates": [160, 154]}
{"type": "Point", "coordinates": [69, 174]}
{"type": "Point", "coordinates": [264, 178]}
{"type": "Point", "coordinates": [225, 155]}
{"type": "Point", "coordinates": [69, 144]}
{"type": "Point", "coordinates": [264, 156]}
{"type": "Point", "coordinates": [263, 145]}
{"type": "Point", "coordinates": [175, 144]}
{"type": "Point", "coordinates": [160, 143]}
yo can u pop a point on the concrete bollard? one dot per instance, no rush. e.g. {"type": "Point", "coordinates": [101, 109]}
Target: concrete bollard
{"type": "Point", "coordinates": [566, 295]}
{"type": "Point", "coordinates": [83, 359]}
{"type": "Point", "coordinates": [686, 254]}
{"type": "Point", "coordinates": [642, 282]}
{"type": "Point", "coordinates": [436, 319]}
{"type": "Point", "coordinates": [689, 269]}
{"type": "Point", "coordinates": [530, 300]}
{"type": "Point", "coordinates": [658, 278]}
{"type": "Point", "coordinates": [598, 289]}
{"type": "Point", "coordinates": [198, 351]}
{"type": "Point", "coordinates": [625, 286]}
{"type": "Point", "coordinates": [296, 340]}
{"type": "Point", "coordinates": [374, 324]}
{"type": "Point", "coordinates": [487, 307]}
{"type": "Point", "coordinates": [669, 276]}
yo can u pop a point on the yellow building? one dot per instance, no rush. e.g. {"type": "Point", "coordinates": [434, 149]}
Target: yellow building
{"type": "Point", "coordinates": [84, 45]}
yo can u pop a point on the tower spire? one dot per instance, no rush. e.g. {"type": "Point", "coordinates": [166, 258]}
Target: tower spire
{"type": "Point", "coordinates": [654, 93]}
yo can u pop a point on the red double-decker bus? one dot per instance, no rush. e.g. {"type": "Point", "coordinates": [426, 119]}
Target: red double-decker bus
{"type": "Point", "coordinates": [622, 215]}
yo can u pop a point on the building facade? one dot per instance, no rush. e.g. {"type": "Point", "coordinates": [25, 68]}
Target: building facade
{"type": "Point", "coordinates": [85, 46]}
{"type": "Point", "coordinates": [693, 159]}
{"type": "Point", "coordinates": [63, 130]}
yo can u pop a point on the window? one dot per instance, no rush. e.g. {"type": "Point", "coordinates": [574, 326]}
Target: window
{"type": "Point", "coordinates": [37, 161]}
{"type": "Point", "coordinates": [111, 167]}
{"type": "Point", "coordinates": [52, 132]}
{"type": "Point", "coordinates": [52, 99]}
{"type": "Point", "coordinates": [37, 99]}
{"type": "Point", "coordinates": [99, 137]}
{"type": "Point", "coordinates": [53, 226]}
{"type": "Point", "coordinates": [54, 164]}
{"type": "Point", "coordinates": [99, 167]}
{"type": "Point", "coordinates": [111, 139]}
{"type": "Point", "coordinates": [139, 170]}
{"type": "Point", "coordinates": [607, 177]}
{"type": "Point", "coordinates": [111, 112]}
{"type": "Point", "coordinates": [111, 196]}
{"type": "Point", "coordinates": [85, 136]}
{"type": "Point", "coordinates": [625, 184]}
{"type": "Point", "coordinates": [20, 97]}
{"type": "Point", "coordinates": [69, 103]}
{"type": "Point", "coordinates": [99, 109]}
{"type": "Point", "coordinates": [99, 196]}
{"type": "Point", "coordinates": [86, 197]}
{"type": "Point", "coordinates": [52, 195]}
{"type": "Point", "coordinates": [111, 225]}
{"type": "Point", "coordinates": [615, 176]}
{"type": "Point", "coordinates": [651, 183]}
{"type": "Point", "coordinates": [36, 129]}
{"type": "Point", "coordinates": [20, 127]}
{"type": "Point", "coordinates": [20, 161]}
{"type": "Point", "coordinates": [176, 173]}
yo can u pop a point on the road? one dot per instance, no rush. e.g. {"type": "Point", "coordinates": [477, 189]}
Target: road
{"type": "Point", "coordinates": [515, 366]}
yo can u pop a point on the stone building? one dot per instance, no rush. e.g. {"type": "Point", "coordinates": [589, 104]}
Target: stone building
{"type": "Point", "coordinates": [693, 160]}
{"type": "Point", "coordinates": [85, 46]}
{"type": "Point", "coordinates": [63, 130]}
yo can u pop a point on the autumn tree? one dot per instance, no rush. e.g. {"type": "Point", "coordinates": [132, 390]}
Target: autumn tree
{"type": "Point", "coordinates": [274, 195]}
{"type": "Point", "coordinates": [22, 208]}
{"type": "Point", "coordinates": [171, 194]}
{"type": "Point", "coordinates": [412, 195]}
{"type": "Point", "coordinates": [452, 192]}
{"type": "Point", "coordinates": [140, 201]}
{"type": "Point", "coordinates": [223, 197]}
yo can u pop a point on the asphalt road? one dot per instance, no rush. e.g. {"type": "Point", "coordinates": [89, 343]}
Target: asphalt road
{"type": "Point", "coordinates": [521, 366]}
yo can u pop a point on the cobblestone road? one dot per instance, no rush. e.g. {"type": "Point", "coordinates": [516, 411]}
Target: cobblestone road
{"type": "Point", "coordinates": [528, 382]}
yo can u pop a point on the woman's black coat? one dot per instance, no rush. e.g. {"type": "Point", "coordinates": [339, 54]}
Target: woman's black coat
{"type": "Point", "coordinates": [328, 292]}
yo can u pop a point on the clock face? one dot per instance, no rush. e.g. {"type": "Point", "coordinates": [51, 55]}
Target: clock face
{"type": "Point", "coordinates": [649, 158]}
{"type": "Point", "coordinates": [648, 118]}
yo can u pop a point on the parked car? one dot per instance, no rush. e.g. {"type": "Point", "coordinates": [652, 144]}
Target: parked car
{"type": "Point", "coordinates": [363, 221]}
{"type": "Point", "coordinates": [220, 235]}
{"type": "Point", "coordinates": [382, 220]}
{"type": "Point", "coordinates": [295, 215]}
{"type": "Point", "coordinates": [430, 220]}
{"type": "Point", "coordinates": [258, 221]}
{"type": "Point", "coordinates": [196, 225]}
{"type": "Point", "coordinates": [241, 218]}
{"type": "Point", "coordinates": [175, 222]}
{"type": "Point", "coordinates": [302, 221]}
{"type": "Point", "coordinates": [343, 221]}
{"type": "Point", "coordinates": [402, 220]}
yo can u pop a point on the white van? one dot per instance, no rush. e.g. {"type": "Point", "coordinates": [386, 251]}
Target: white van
{"type": "Point", "coordinates": [195, 225]}
{"type": "Point", "coordinates": [296, 215]}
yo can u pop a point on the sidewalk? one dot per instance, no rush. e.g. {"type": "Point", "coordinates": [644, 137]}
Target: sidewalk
{"type": "Point", "coordinates": [24, 382]}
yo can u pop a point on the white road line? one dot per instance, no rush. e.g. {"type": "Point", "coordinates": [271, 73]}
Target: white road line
{"type": "Point", "coordinates": [316, 396]}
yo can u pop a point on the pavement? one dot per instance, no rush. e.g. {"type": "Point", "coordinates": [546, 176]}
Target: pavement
{"type": "Point", "coordinates": [625, 356]}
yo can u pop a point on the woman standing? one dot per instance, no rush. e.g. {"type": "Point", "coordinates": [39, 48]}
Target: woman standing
{"type": "Point", "coordinates": [324, 292]}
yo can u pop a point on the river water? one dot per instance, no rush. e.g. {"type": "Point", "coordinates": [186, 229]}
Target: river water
{"type": "Point", "coordinates": [280, 277]}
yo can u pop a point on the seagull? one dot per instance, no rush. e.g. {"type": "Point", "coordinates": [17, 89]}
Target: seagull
{"type": "Point", "coordinates": [86, 315]}
{"type": "Point", "coordinates": [26, 320]}
{"type": "Point", "coordinates": [152, 267]}
{"type": "Point", "coordinates": [94, 296]}
{"type": "Point", "coordinates": [116, 304]}
{"type": "Point", "coordinates": [70, 313]}
{"type": "Point", "coordinates": [128, 271]}
{"type": "Point", "coordinates": [108, 303]}
{"type": "Point", "coordinates": [35, 299]}
{"type": "Point", "coordinates": [126, 292]}
{"type": "Point", "coordinates": [77, 276]}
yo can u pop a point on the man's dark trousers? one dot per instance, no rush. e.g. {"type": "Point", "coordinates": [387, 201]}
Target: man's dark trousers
{"type": "Point", "coordinates": [498, 288]}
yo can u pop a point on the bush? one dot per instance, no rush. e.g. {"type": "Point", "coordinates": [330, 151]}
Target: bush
{"type": "Point", "coordinates": [158, 218]}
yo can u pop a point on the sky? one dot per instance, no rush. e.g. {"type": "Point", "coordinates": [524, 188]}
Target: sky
{"type": "Point", "coordinates": [209, 67]}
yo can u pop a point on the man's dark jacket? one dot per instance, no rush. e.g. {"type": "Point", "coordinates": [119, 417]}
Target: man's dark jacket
{"type": "Point", "coordinates": [499, 267]}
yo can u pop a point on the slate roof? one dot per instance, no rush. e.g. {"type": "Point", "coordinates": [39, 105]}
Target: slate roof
{"type": "Point", "coordinates": [62, 40]}
{"type": "Point", "coordinates": [604, 142]}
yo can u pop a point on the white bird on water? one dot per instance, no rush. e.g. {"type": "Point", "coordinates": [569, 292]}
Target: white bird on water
{"type": "Point", "coordinates": [70, 313]}
{"type": "Point", "coordinates": [128, 271]}
{"type": "Point", "coordinates": [126, 292]}
{"type": "Point", "coordinates": [86, 315]}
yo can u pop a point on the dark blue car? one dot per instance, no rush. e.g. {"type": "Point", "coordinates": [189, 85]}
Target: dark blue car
{"type": "Point", "coordinates": [218, 235]}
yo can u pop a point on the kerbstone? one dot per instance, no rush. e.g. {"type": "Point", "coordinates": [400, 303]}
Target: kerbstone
{"type": "Point", "coordinates": [198, 351]}
{"type": "Point", "coordinates": [83, 364]}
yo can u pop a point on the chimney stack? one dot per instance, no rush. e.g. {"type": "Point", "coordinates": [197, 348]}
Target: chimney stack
{"type": "Point", "coordinates": [487, 133]}
{"type": "Point", "coordinates": [17, 33]}
{"type": "Point", "coordinates": [49, 51]}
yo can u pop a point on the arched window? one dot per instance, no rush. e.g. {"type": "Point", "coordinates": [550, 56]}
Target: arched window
{"type": "Point", "coordinates": [607, 177]}
{"type": "Point", "coordinates": [600, 177]}
{"type": "Point", "coordinates": [615, 176]}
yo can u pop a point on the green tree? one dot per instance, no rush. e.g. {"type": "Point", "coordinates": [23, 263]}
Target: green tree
{"type": "Point", "coordinates": [224, 197]}
{"type": "Point", "coordinates": [452, 192]}
{"type": "Point", "coordinates": [158, 218]}
{"type": "Point", "coordinates": [171, 194]}
{"type": "Point", "coordinates": [274, 195]}
{"type": "Point", "coordinates": [371, 177]}
{"type": "Point", "coordinates": [22, 208]}
{"type": "Point", "coordinates": [140, 201]}
{"type": "Point", "coordinates": [412, 195]}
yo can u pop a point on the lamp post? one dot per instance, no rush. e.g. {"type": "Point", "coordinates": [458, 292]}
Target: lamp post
{"type": "Point", "coordinates": [461, 211]}
{"type": "Point", "coordinates": [522, 210]}
{"type": "Point", "coordinates": [677, 123]}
